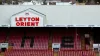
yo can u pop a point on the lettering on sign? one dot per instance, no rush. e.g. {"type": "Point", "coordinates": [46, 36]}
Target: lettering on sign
{"type": "Point", "coordinates": [27, 21]}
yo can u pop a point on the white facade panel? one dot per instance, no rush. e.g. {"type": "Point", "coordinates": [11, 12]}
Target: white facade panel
{"type": "Point", "coordinates": [57, 15]}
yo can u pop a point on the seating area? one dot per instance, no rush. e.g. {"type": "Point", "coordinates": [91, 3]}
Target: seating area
{"type": "Point", "coordinates": [76, 53]}
{"type": "Point", "coordinates": [2, 39]}
{"type": "Point", "coordinates": [27, 44]}
{"type": "Point", "coordinates": [19, 52]}
{"type": "Point", "coordinates": [70, 44]}
{"type": "Point", "coordinates": [40, 42]}
{"type": "Point", "coordinates": [57, 39]}
{"type": "Point", "coordinates": [57, 36]}
{"type": "Point", "coordinates": [66, 38]}
{"type": "Point", "coordinates": [2, 36]}
{"type": "Point", "coordinates": [15, 38]}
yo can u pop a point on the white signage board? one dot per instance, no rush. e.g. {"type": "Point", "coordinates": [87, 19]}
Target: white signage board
{"type": "Point", "coordinates": [55, 45]}
{"type": "Point", "coordinates": [3, 45]}
{"type": "Point", "coordinates": [28, 18]}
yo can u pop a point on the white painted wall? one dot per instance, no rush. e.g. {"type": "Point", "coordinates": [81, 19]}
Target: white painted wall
{"type": "Point", "coordinates": [57, 15]}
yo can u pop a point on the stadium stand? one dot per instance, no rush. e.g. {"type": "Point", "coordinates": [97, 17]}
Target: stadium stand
{"type": "Point", "coordinates": [35, 42]}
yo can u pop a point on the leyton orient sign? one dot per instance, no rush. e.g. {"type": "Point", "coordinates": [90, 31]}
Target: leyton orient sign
{"type": "Point", "coordinates": [27, 18]}
{"type": "Point", "coordinates": [27, 21]}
